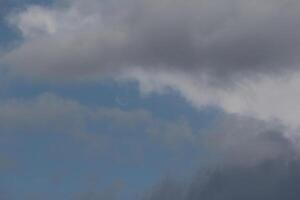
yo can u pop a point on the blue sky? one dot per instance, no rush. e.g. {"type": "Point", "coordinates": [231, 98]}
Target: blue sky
{"type": "Point", "coordinates": [46, 162]}
{"type": "Point", "coordinates": [149, 99]}
{"type": "Point", "coordinates": [50, 164]}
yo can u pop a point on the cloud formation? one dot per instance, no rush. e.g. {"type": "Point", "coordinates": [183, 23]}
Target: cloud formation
{"type": "Point", "coordinates": [266, 97]}
{"type": "Point", "coordinates": [246, 142]}
{"type": "Point", "coordinates": [223, 38]}
{"type": "Point", "coordinates": [275, 179]}
{"type": "Point", "coordinates": [253, 162]}
{"type": "Point", "coordinates": [238, 55]}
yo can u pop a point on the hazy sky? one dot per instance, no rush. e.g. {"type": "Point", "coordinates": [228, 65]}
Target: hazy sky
{"type": "Point", "coordinates": [149, 99]}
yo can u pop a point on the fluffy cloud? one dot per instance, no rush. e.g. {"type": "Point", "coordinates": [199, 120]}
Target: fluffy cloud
{"type": "Point", "coordinates": [241, 56]}
{"type": "Point", "coordinates": [265, 97]}
{"type": "Point", "coordinates": [222, 38]}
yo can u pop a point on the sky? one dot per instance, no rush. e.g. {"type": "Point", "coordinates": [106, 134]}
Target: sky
{"type": "Point", "coordinates": [149, 99]}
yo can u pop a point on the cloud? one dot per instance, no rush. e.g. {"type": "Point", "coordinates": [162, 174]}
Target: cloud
{"type": "Point", "coordinates": [36, 21]}
{"type": "Point", "coordinates": [248, 154]}
{"type": "Point", "coordinates": [270, 180]}
{"type": "Point", "coordinates": [253, 160]}
{"type": "Point", "coordinates": [222, 38]}
{"type": "Point", "coordinates": [240, 56]}
{"type": "Point", "coordinates": [243, 141]}
{"type": "Point", "coordinates": [270, 98]}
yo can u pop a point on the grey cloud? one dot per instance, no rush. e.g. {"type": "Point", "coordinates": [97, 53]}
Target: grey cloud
{"type": "Point", "coordinates": [277, 179]}
{"type": "Point", "coordinates": [237, 140]}
{"type": "Point", "coordinates": [255, 161]}
{"type": "Point", "coordinates": [216, 37]}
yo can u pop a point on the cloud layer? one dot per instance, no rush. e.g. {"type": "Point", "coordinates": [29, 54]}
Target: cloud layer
{"type": "Point", "coordinates": [222, 38]}
{"type": "Point", "coordinates": [270, 180]}
{"type": "Point", "coordinates": [237, 55]}
{"type": "Point", "coordinates": [253, 161]}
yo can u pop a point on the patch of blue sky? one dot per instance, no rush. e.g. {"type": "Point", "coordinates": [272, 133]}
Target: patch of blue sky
{"type": "Point", "coordinates": [44, 155]}
{"type": "Point", "coordinates": [53, 165]}
{"type": "Point", "coordinates": [9, 36]}
{"type": "Point", "coordinates": [56, 166]}
{"type": "Point", "coordinates": [59, 166]}
{"type": "Point", "coordinates": [126, 96]}
{"type": "Point", "coordinates": [41, 160]}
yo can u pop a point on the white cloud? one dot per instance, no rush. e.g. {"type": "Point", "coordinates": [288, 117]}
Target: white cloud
{"type": "Point", "coordinates": [267, 98]}
{"type": "Point", "coordinates": [238, 55]}
{"type": "Point", "coordinates": [36, 21]}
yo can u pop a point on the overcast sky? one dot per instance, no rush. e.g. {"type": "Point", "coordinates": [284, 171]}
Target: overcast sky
{"type": "Point", "coordinates": [149, 99]}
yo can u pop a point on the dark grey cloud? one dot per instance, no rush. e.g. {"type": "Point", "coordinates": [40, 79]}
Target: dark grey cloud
{"type": "Point", "coordinates": [276, 179]}
{"type": "Point", "coordinates": [221, 37]}
{"type": "Point", "coordinates": [255, 161]}
{"type": "Point", "coordinates": [270, 180]}
{"type": "Point", "coordinates": [217, 37]}
{"type": "Point", "coordinates": [244, 141]}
